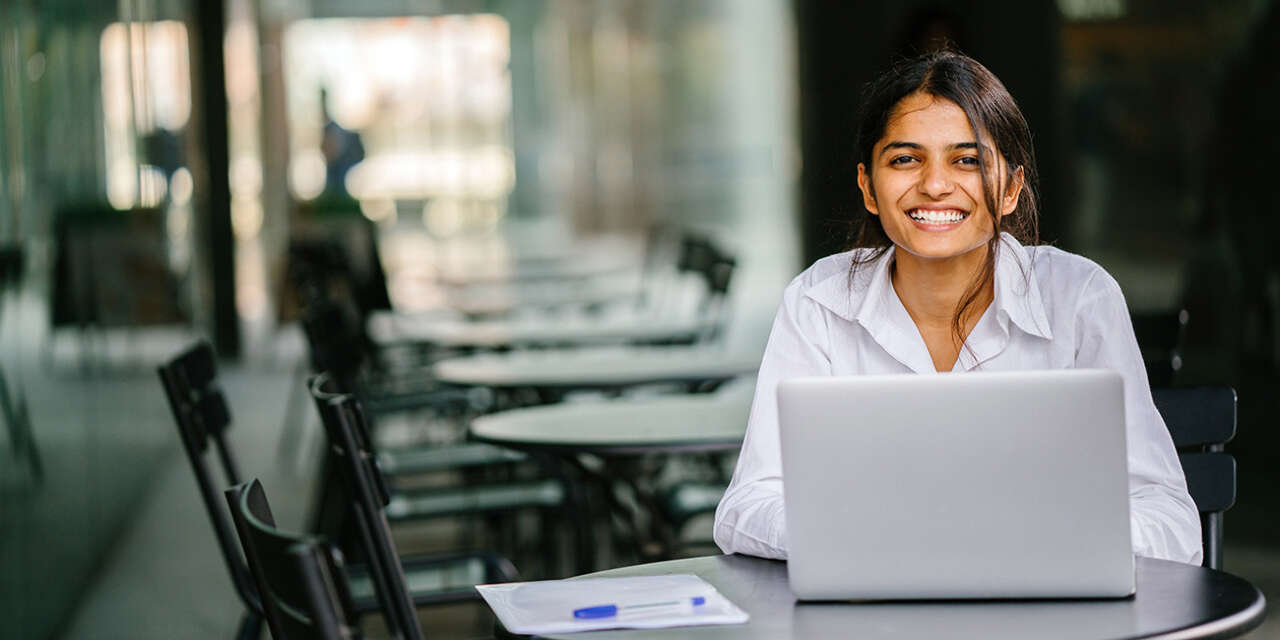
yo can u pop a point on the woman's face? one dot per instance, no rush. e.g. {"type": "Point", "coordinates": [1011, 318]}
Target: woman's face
{"type": "Point", "coordinates": [924, 181]}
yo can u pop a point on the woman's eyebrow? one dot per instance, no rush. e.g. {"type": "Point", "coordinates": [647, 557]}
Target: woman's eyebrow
{"type": "Point", "coordinates": [900, 144]}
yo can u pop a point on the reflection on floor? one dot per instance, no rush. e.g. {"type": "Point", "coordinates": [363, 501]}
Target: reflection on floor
{"type": "Point", "coordinates": [165, 578]}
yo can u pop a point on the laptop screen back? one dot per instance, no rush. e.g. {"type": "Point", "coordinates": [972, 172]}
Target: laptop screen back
{"type": "Point", "coordinates": [975, 485]}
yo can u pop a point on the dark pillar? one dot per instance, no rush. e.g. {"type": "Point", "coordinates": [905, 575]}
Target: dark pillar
{"type": "Point", "coordinates": [840, 47]}
{"type": "Point", "coordinates": [209, 30]}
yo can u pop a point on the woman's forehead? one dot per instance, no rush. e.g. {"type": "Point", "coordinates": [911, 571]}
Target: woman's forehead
{"type": "Point", "coordinates": [929, 118]}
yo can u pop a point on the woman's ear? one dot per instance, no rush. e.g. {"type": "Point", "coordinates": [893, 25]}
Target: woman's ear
{"type": "Point", "coordinates": [1010, 200]}
{"type": "Point", "coordinates": [868, 193]}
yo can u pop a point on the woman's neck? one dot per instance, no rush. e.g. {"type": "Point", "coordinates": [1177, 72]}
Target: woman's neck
{"type": "Point", "coordinates": [932, 289]}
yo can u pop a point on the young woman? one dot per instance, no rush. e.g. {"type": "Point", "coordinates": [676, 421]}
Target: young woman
{"type": "Point", "coordinates": [944, 277]}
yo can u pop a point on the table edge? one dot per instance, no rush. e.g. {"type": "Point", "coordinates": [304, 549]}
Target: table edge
{"type": "Point", "coordinates": [1236, 624]}
{"type": "Point", "coordinates": [1231, 626]}
{"type": "Point", "coordinates": [619, 449]}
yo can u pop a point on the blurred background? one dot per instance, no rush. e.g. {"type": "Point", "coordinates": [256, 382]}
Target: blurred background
{"type": "Point", "coordinates": [158, 158]}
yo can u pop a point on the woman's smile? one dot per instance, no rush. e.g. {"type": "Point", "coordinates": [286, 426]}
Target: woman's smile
{"type": "Point", "coordinates": [934, 218]}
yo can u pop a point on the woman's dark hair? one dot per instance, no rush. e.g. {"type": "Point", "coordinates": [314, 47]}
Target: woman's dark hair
{"type": "Point", "coordinates": [953, 76]}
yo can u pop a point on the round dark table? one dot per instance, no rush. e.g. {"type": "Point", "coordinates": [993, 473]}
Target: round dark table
{"type": "Point", "coordinates": [624, 427]}
{"type": "Point", "coordinates": [625, 431]}
{"type": "Point", "coordinates": [1173, 600]}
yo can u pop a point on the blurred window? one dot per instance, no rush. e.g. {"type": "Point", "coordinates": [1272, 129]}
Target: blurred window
{"type": "Point", "coordinates": [410, 113]}
{"type": "Point", "coordinates": [146, 101]}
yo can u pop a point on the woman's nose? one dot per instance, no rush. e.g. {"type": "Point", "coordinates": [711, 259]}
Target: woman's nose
{"type": "Point", "coordinates": [935, 181]}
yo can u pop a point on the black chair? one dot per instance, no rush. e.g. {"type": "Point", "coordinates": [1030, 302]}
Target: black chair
{"type": "Point", "coordinates": [201, 413]}
{"type": "Point", "coordinates": [337, 343]}
{"type": "Point", "coordinates": [712, 268]}
{"type": "Point", "coordinates": [389, 379]}
{"type": "Point", "coordinates": [1161, 335]}
{"type": "Point", "coordinates": [1202, 420]}
{"type": "Point", "coordinates": [492, 475]}
{"type": "Point", "coordinates": [321, 270]}
{"type": "Point", "coordinates": [371, 504]}
{"type": "Point", "coordinates": [302, 577]}
{"type": "Point", "coordinates": [202, 416]}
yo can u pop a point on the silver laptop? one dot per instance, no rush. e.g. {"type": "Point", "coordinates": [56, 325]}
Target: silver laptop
{"type": "Point", "coordinates": [972, 485]}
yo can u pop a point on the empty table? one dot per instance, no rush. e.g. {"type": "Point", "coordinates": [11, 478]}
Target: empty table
{"type": "Point", "coordinates": [551, 330]}
{"type": "Point", "coordinates": [659, 424]}
{"type": "Point", "coordinates": [600, 368]}
{"type": "Point", "coordinates": [579, 261]}
{"type": "Point", "coordinates": [627, 427]}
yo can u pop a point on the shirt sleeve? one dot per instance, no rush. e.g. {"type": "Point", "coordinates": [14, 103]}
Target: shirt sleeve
{"type": "Point", "coordinates": [1163, 518]}
{"type": "Point", "coordinates": [749, 518]}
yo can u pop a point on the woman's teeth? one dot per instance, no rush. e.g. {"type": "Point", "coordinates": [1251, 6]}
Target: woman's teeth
{"type": "Point", "coordinates": [929, 216]}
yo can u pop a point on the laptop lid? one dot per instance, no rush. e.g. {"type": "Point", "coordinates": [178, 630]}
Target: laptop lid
{"type": "Point", "coordinates": [973, 485]}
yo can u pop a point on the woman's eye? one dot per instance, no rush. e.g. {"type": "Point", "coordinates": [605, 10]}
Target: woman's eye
{"type": "Point", "coordinates": [901, 160]}
{"type": "Point", "coordinates": [967, 161]}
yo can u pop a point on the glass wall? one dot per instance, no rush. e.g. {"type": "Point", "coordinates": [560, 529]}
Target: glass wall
{"type": "Point", "coordinates": [96, 201]}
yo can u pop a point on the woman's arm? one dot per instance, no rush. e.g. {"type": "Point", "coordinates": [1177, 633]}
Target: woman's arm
{"type": "Point", "coordinates": [750, 519]}
{"type": "Point", "coordinates": [1164, 520]}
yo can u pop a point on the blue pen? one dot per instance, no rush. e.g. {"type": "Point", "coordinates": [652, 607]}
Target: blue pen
{"type": "Point", "coordinates": [607, 610]}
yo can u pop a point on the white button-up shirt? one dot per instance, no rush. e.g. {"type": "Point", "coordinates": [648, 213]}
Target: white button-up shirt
{"type": "Point", "coordinates": [1051, 310]}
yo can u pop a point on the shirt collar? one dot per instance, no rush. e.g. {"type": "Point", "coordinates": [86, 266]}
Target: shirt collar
{"type": "Point", "coordinates": [1017, 292]}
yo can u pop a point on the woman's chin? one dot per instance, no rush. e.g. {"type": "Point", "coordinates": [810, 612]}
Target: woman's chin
{"type": "Point", "coordinates": [943, 248]}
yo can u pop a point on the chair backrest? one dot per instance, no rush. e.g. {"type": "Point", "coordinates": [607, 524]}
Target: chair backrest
{"type": "Point", "coordinates": [1202, 420]}
{"type": "Point", "coordinates": [350, 451]}
{"type": "Point", "coordinates": [335, 340]}
{"type": "Point", "coordinates": [333, 318]}
{"type": "Point", "coordinates": [715, 268]}
{"type": "Point", "coordinates": [719, 275]}
{"type": "Point", "coordinates": [304, 587]}
{"type": "Point", "coordinates": [11, 264]}
{"type": "Point", "coordinates": [200, 411]}
{"type": "Point", "coordinates": [1161, 335]}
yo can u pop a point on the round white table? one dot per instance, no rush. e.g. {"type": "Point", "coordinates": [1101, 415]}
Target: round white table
{"type": "Point", "coordinates": [500, 300]}
{"type": "Point", "coordinates": [574, 263]}
{"type": "Point", "coordinates": [550, 331]}
{"type": "Point", "coordinates": [1173, 600]}
{"type": "Point", "coordinates": [596, 368]}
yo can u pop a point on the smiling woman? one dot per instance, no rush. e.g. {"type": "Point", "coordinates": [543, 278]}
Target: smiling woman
{"type": "Point", "coordinates": [928, 133]}
{"type": "Point", "coordinates": [944, 275]}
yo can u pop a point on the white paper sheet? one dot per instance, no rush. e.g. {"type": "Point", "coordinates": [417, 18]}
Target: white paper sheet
{"type": "Point", "coordinates": [548, 606]}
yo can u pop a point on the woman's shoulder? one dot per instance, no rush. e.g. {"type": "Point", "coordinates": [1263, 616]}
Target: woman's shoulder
{"type": "Point", "coordinates": [833, 283]}
{"type": "Point", "coordinates": [834, 275]}
{"type": "Point", "coordinates": [1062, 273]}
{"type": "Point", "coordinates": [836, 264]}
